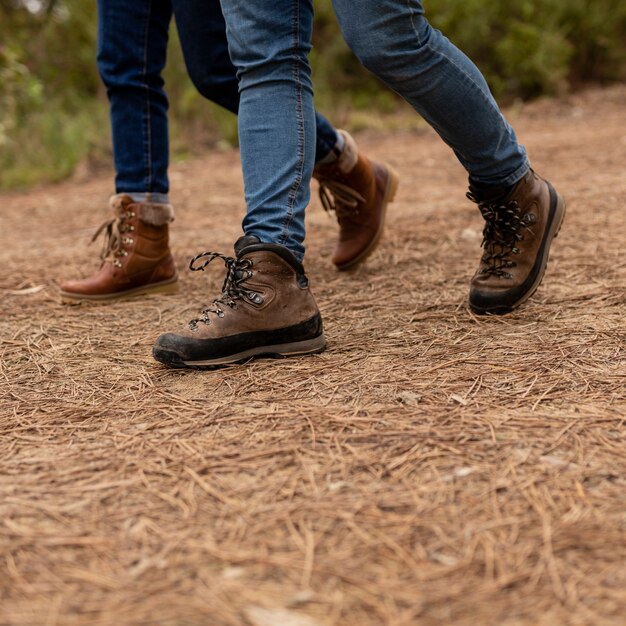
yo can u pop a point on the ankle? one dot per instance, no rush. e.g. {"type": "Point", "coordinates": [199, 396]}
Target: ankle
{"type": "Point", "coordinates": [344, 155]}
{"type": "Point", "coordinates": [489, 193]}
{"type": "Point", "coordinates": [152, 213]}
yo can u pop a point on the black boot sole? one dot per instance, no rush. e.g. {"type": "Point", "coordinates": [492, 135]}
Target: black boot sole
{"type": "Point", "coordinates": [275, 351]}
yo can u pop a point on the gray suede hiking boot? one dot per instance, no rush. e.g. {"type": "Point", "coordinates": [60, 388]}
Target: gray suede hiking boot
{"type": "Point", "coordinates": [519, 229]}
{"type": "Point", "coordinates": [265, 310]}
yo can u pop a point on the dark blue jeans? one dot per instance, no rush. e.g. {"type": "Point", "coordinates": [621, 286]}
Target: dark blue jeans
{"type": "Point", "coordinates": [132, 47]}
{"type": "Point", "coordinates": [270, 42]}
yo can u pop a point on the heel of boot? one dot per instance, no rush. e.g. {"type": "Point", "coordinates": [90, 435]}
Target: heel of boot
{"type": "Point", "coordinates": [166, 288]}
{"type": "Point", "coordinates": [560, 213]}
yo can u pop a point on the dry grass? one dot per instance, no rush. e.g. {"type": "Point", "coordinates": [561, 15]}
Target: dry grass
{"type": "Point", "coordinates": [431, 468]}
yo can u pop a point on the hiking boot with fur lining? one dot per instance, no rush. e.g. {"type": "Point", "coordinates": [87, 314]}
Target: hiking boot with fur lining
{"type": "Point", "coordinates": [136, 258]}
{"type": "Point", "coordinates": [358, 191]}
{"type": "Point", "coordinates": [265, 310]}
{"type": "Point", "coordinates": [519, 230]}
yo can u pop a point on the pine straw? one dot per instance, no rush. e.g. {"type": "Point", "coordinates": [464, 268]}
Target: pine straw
{"type": "Point", "coordinates": [430, 468]}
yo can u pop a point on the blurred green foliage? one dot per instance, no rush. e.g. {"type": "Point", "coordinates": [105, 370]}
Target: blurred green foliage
{"type": "Point", "coordinates": [50, 116]}
{"type": "Point", "coordinates": [53, 107]}
{"type": "Point", "coordinates": [525, 48]}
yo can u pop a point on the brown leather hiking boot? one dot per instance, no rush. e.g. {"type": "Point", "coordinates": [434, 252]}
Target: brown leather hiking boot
{"type": "Point", "coordinates": [519, 230]}
{"type": "Point", "coordinates": [358, 191]}
{"type": "Point", "coordinates": [136, 258]}
{"type": "Point", "coordinates": [266, 309]}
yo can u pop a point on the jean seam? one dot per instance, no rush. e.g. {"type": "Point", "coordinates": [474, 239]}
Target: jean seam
{"type": "Point", "coordinates": [293, 192]}
{"type": "Point", "coordinates": [147, 116]}
{"type": "Point", "coordinates": [413, 13]}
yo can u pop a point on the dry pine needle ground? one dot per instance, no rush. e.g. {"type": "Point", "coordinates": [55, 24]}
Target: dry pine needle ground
{"type": "Point", "coordinates": [430, 468]}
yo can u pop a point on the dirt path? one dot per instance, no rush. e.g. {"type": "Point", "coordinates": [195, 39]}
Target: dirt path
{"type": "Point", "coordinates": [430, 468]}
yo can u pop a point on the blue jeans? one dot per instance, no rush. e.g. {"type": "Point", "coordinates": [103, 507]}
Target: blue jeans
{"type": "Point", "coordinates": [132, 47]}
{"type": "Point", "coordinates": [269, 44]}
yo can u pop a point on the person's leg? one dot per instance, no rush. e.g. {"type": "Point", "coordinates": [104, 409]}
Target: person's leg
{"type": "Point", "coordinates": [393, 39]}
{"type": "Point", "coordinates": [356, 189]}
{"type": "Point", "coordinates": [523, 213]}
{"type": "Point", "coordinates": [265, 307]}
{"type": "Point", "coordinates": [132, 43]}
{"type": "Point", "coordinates": [202, 32]}
{"type": "Point", "coordinates": [269, 44]}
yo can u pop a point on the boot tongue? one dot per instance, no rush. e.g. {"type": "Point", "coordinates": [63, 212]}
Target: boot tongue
{"type": "Point", "coordinates": [244, 242]}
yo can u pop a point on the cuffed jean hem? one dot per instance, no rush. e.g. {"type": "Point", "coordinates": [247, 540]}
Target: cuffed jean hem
{"type": "Point", "coordinates": [148, 197]}
{"type": "Point", "coordinates": [508, 181]}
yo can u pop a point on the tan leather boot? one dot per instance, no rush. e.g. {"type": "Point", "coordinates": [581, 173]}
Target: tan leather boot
{"type": "Point", "coordinates": [519, 230]}
{"type": "Point", "coordinates": [266, 309]}
{"type": "Point", "coordinates": [358, 191]}
{"type": "Point", "coordinates": [136, 258]}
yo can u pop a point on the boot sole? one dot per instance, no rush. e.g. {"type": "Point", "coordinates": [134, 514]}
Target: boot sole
{"type": "Point", "coordinates": [393, 182]}
{"type": "Point", "coordinates": [276, 351]}
{"type": "Point", "coordinates": [165, 287]}
{"type": "Point", "coordinates": [555, 228]}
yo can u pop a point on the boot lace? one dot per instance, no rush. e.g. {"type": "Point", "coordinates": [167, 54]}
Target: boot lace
{"type": "Point", "coordinates": [340, 198]}
{"type": "Point", "coordinates": [115, 237]}
{"type": "Point", "coordinates": [237, 272]}
{"type": "Point", "coordinates": [504, 228]}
